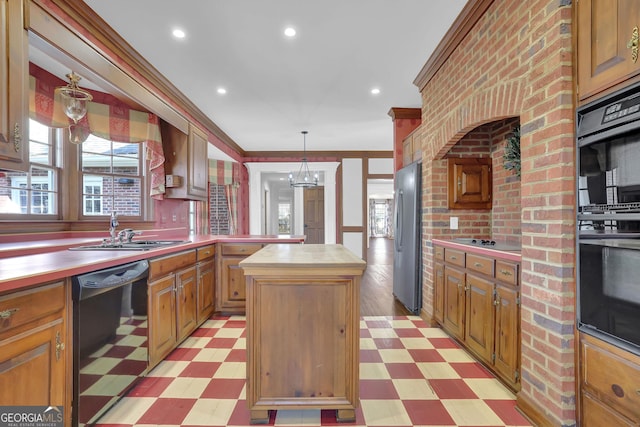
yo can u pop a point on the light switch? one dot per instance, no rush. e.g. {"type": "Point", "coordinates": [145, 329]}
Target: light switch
{"type": "Point", "coordinates": [453, 223]}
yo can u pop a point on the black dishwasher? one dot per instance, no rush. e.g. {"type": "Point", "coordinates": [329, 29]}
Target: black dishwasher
{"type": "Point", "coordinates": [110, 351]}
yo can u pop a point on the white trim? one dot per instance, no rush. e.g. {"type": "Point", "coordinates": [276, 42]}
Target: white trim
{"type": "Point", "coordinates": [255, 195]}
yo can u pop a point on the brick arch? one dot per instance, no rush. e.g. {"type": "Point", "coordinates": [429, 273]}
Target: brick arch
{"type": "Point", "coordinates": [497, 102]}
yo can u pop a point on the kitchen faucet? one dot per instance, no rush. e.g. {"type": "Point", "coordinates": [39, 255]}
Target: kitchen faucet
{"type": "Point", "coordinates": [113, 223]}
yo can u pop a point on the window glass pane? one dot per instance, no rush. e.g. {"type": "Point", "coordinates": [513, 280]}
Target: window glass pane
{"type": "Point", "coordinates": [12, 186]}
{"type": "Point", "coordinates": [96, 163]}
{"type": "Point", "coordinates": [40, 145]}
{"type": "Point", "coordinates": [43, 199]}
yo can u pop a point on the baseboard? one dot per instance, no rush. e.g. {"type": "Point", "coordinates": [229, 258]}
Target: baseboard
{"type": "Point", "coordinates": [533, 412]}
{"type": "Point", "coordinates": [428, 317]}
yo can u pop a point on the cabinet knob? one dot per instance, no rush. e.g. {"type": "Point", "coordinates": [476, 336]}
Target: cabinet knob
{"type": "Point", "coordinates": [59, 345]}
{"type": "Point", "coordinates": [496, 301]}
{"type": "Point", "coordinates": [5, 314]}
{"type": "Point", "coordinates": [633, 44]}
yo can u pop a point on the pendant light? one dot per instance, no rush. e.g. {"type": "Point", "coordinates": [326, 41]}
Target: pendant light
{"type": "Point", "coordinates": [73, 98]}
{"type": "Point", "coordinates": [304, 178]}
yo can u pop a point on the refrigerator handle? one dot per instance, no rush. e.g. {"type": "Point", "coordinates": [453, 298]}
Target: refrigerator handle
{"type": "Point", "coordinates": [399, 212]}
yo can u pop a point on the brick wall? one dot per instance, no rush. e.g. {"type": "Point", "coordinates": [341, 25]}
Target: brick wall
{"type": "Point", "coordinates": [218, 210]}
{"type": "Point", "coordinates": [515, 65]}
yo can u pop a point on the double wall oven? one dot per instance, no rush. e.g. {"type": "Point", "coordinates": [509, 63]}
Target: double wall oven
{"type": "Point", "coordinates": [608, 218]}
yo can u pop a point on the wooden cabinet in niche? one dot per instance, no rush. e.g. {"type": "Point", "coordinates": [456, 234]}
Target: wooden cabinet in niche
{"type": "Point", "coordinates": [34, 350]}
{"type": "Point", "coordinates": [606, 33]}
{"type": "Point", "coordinates": [469, 183]}
{"type": "Point", "coordinates": [481, 307]}
{"type": "Point", "coordinates": [186, 157]}
{"type": "Point", "coordinates": [14, 87]}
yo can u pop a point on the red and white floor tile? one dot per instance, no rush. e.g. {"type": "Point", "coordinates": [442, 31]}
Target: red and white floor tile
{"type": "Point", "coordinates": [410, 375]}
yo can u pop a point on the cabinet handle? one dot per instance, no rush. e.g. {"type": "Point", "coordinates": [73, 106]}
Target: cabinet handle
{"type": "Point", "coordinates": [17, 137]}
{"type": "Point", "coordinates": [633, 44]}
{"type": "Point", "coordinates": [496, 302]}
{"type": "Point", "coordinates": [453, 257]}
{"type": "Point", "coordinates": [5, 314]}
{"type": "Point", "coordinates": [477, 264]}
{"type": "Point", "coordinates": [505, 272]}
{"type": "Point", "coordinates": [59, 345]}
{"type": "Point", "coordinates": [459, 183]}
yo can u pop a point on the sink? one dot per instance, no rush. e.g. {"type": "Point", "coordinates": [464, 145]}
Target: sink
{"type": "Point", "coordinates": [136, 245]}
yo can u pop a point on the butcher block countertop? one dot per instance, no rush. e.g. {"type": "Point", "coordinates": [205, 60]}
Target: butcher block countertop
{"type": "Point", "coordinates": [20, 268]}
{"type": "Point", "coordinates": [302, 256]}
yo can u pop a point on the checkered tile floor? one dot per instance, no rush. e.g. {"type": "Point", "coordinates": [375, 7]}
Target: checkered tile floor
{"type": "Point", "coordinates": [410, 375]}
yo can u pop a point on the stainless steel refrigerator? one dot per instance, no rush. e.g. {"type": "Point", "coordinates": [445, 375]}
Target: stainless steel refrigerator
{"type": "Point", "coordinates": [407, 260]}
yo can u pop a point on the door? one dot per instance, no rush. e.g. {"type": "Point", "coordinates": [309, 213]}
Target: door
{"type": "Point", "coordinates": [186, 304]}
{"type": "Point", "coordinates": [162, 318]}
{"type": "Point", "coordinates": [507, 339]}
{"type": "Point", "coordinates": [454, 302]}
{"type": "Point", "coordinates": [438, 292]}
{"type": "Point", "coordinates": [479, 319]}
{"type": "Point", "coordinates": [206, 283]}
{"type": "Point", "coordinates": [314, 215]}
{"type": "Point", "coordinates": [605, 56]}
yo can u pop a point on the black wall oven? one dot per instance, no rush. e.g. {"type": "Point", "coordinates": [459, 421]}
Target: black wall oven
{"type": "Point", "coordinates": [608, 218]}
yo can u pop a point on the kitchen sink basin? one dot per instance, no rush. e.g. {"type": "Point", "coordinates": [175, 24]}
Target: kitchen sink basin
{"type": "Point", "coordinates": [136, 245]}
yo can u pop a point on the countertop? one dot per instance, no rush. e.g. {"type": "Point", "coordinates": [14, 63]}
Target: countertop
{"type": "Point", "coordinates": [54, 262]}
{"type": "Point", "coordinates": [303, 256]}
{"type": "Point", "coordinates": [510, 255]}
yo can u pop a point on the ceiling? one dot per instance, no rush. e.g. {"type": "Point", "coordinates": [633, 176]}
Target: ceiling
{"type": "Point", "coordinates": [320, 80]}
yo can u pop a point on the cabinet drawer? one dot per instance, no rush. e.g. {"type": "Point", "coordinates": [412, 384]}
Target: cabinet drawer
{"type": "Point", "coordinates": [453, 256]}
{"type": "Point", "coordinates": [595, 414]}
{"type": "Point", "coordinates": [481, 264]}
{"type": "Point", "coordinates": [438, 252]}
{"type": "Point", "coordinates": [612, 378]}
{"type": "Point", "coordinates": [27, 306]}
{"type": "Point", "coordinates": [240, 248]}
{"type": "Point", "coordinates": [507, 272]}
{"type": "Point", "coordinates": [158, 267]}
{"type": "Point", "coordinates": [205, 252]}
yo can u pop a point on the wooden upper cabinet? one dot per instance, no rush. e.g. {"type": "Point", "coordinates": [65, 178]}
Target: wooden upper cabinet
{"type": "Point", "coordinates": [411, 148]}
{"type": "Point", "coordinates": [607, 37]}
{"type": "Point", "coordinates": [186, 158]}
{"type": "Point", "coordinates": [14, 87]}
{"type": "Point", "coordinates": [469, 183]}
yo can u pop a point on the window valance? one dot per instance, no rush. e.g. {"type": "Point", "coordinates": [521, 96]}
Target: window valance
{"type": "Point", "coordinates": [107, 117]}
{"type": "Point", "coordinates": [224, 173]}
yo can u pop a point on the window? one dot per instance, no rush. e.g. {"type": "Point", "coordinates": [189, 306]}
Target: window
{"type": "Point", "coordinates": [34, 192]}
{"type": "Point", "coordinates": [284, 218]}
{"type": "Point", "coordinates": [112, 179]}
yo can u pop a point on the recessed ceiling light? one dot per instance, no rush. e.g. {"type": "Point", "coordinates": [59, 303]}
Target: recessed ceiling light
{"type": "Point", "coordinates": [178, 33]}
{"type": "Point", "coordinates": [221, 90]}
{"type": "Point", "coordinates": [375, 91]}
{"type": "Point", "coordinates": [290, 32]}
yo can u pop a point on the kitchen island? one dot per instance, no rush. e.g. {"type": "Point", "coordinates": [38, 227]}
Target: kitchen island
{"type": "Point", "coordinates": [303, 318]}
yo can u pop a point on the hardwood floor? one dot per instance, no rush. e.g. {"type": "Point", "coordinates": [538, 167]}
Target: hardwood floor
{"type": "Point", "coordinates": [376, 290]}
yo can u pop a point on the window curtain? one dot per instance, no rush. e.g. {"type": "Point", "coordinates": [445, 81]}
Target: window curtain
{"type": "Point", "coordinates": [107, 117]}
{"type": "Point", "coordinates": [227, 174]}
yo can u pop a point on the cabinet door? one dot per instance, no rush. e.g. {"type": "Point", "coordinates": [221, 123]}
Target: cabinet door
{"type": "Point", "coordinates": [596, 414]}
{"type": "Point", "coordinates": [206, 285]}
{"type": "Point", "coordinates": [186, 302]}
{"type": "Point", "coordinates": [438, 292]}
{"type": "Point", "coordinates": [605, 28]}
{"type": "Point", "coordinates": [14, 87]}
{"type": "Point", "coordinates": [197, 166]}
{"type": "Point", "coordinates": [479, 321]}
{"type": "Point", "coordinates": [162, 318]}
{"type": "Point", "coordinates": [469, 185]}
{"type": "Point", "coordinates": [232, 286]}
{"type": "Point", "coordinates": [507, 340]}
{"type": "Point", "coordinates": [32, 367]}
{"type": "Point", "coordinates": [454, 302]}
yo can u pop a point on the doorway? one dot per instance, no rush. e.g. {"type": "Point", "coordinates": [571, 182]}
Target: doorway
{"type": "Point", "coordinates": [314, 215]}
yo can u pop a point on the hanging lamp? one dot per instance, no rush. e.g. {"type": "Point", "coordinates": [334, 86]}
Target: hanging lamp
{"type": "Point", "coordinates": [74, 99]}
{"type": "Point", "coordinates": [304, 178]}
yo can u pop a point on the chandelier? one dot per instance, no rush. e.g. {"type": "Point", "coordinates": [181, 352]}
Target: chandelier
{"type": "Point", "coordinates": [304, 178]}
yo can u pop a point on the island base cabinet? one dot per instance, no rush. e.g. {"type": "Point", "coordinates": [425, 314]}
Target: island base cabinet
{"type": "Point", "coordinates": [303, 329]}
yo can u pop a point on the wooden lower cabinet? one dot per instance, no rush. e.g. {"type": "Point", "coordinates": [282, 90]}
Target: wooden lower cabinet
{"type": "Point", "coordinates": [303, 316]}
{"type": "Point", "coordinates": [172, 302]}
{"type": "Point", "coordinates": [231, 286]}
{"type": "Point", "coordinates": [35, 362]}
{"type": "Point", "coordinates": [479, 296]}
{"type": "Point", "coordinates": [206, 271]}
{"type": "Point", "coordinates": [609, 384]}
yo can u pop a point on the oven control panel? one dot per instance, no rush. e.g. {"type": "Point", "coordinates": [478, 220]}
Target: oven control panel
{"type": "Point", "coordinates": [621, 109]}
